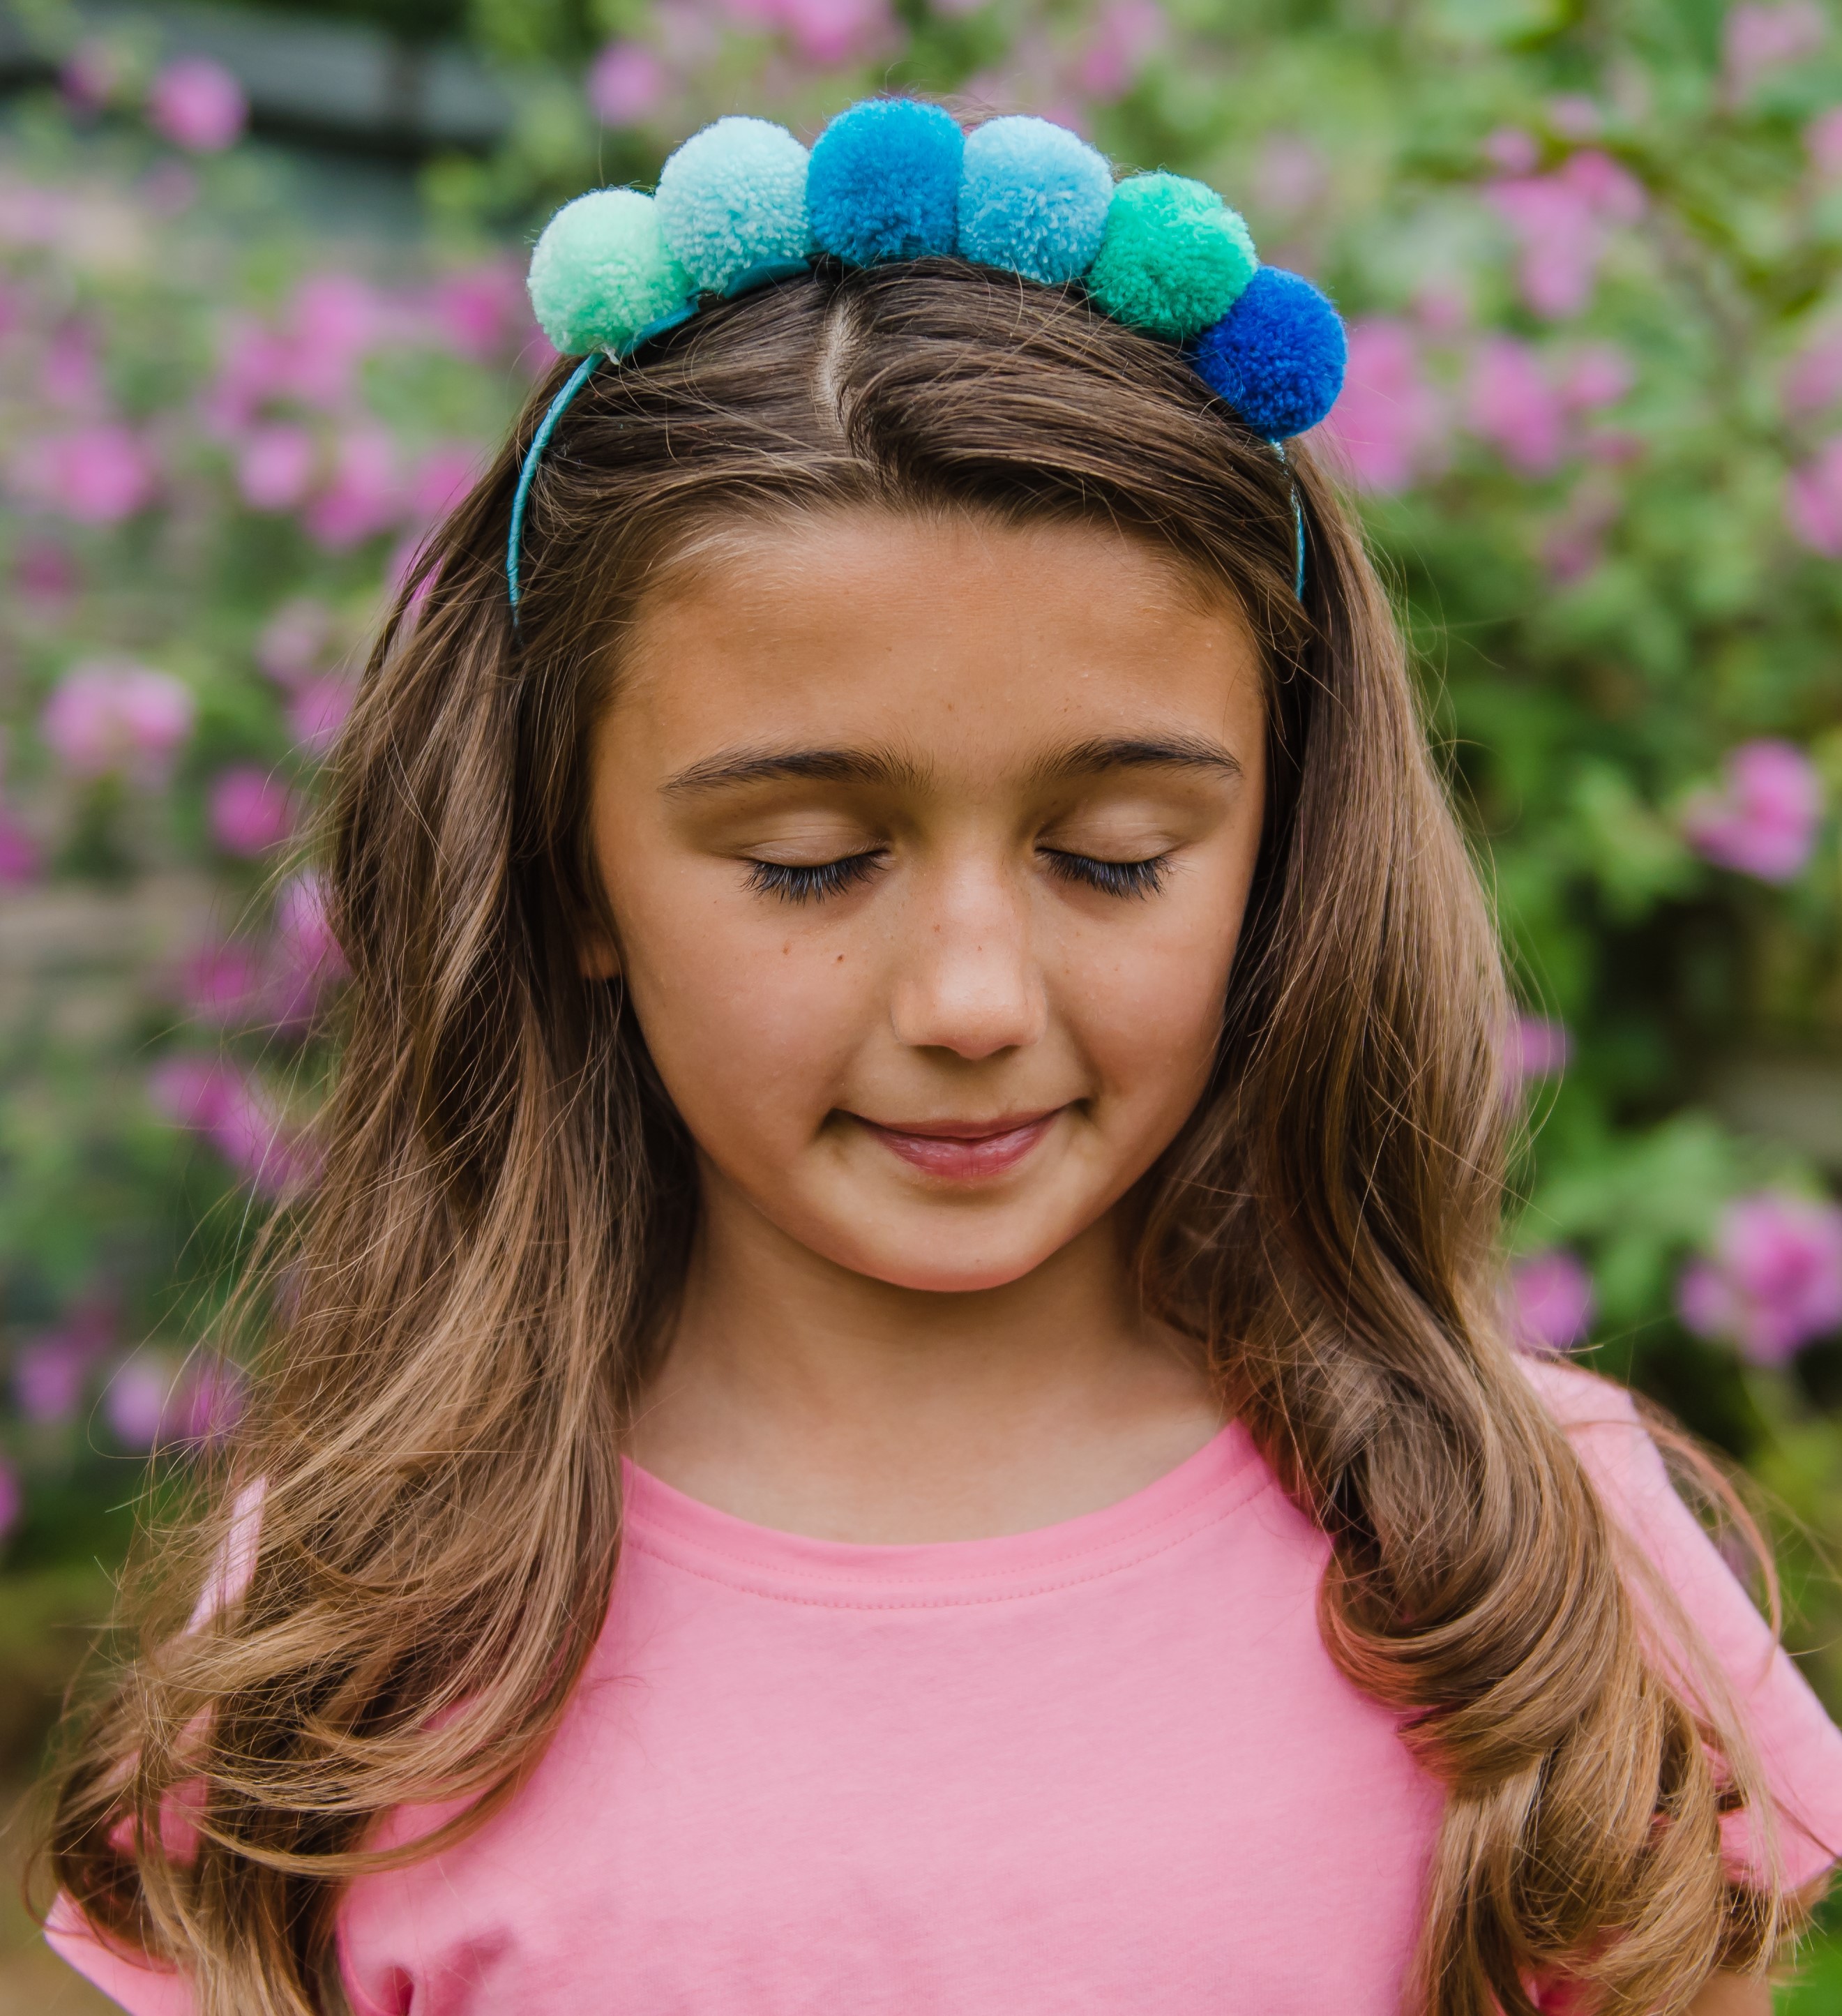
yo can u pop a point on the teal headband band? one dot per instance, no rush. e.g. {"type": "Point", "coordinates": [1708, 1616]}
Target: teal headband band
{"type": "Point", "coordinates": [741, 203]}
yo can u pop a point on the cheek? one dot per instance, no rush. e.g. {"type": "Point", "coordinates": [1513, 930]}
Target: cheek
{"type": "Point", "coordinates": [750, 1024]}
{"type": "Point", "coordinates": [1146, 1005]}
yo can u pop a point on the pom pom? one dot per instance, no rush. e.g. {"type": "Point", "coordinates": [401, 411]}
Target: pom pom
{"type": "Point", "coordinates": [1175, 259]}
{"type": "Point", "coordinates": [733, 197]}
{"type": "Point", "coordinates": [1033, 198]}
{"type": "Point", "coordinates": [602, 272]}
{"type": "Point", "coordinates": [1277, 357]}
{"type": "Point", "coordinates": [884, 182]}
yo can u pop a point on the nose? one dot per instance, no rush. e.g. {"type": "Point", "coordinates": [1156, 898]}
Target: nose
{"type": "Point", "coordinates": [969, 981]}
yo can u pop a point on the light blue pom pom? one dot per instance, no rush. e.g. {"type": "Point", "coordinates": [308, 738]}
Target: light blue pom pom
{"type": "Point", "coordinates": [733, 197]}
{"type": "Point", "coordinates": [1033, 198]}
{"type": "Point", "coordinates": [884, 182]}
{"type": "Point", "coordinates": [602, 272]}
{"type": "Point", "coordinates": [1278, 356]}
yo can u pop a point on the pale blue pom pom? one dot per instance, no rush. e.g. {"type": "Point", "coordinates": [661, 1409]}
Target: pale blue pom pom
{"type": "Point", "coordinates": [602, 272]}
{"type": "Point", "coordinates": [884, 182]}
{"type": "Point", "coordinates": [1033, 198]}
{"type": "Point", "coordinates": [732, 198]}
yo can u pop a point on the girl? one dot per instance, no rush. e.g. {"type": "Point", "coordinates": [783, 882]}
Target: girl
{"type": "Point", "coordinates": [891, 1399]}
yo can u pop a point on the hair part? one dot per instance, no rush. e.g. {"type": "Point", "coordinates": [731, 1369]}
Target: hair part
{"type": "Point", "coordinates": [479, 1285]}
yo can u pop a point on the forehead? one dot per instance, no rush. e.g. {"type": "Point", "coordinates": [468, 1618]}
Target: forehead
{"type": "Point", "coordinates": [954, 639]}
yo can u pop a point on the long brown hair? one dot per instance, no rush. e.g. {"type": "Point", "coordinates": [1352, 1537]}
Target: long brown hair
{"type": "Point", "coordinates": [502, 1220]}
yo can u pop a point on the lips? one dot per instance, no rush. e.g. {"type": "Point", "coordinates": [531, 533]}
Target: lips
{"type": "Point", "coordinates": [963, 1150]}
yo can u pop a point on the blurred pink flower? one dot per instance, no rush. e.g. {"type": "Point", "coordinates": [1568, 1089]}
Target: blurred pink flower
{"type": "Point", "coordinates": [197, 104]}
{"type": "Point", "coordinates": [1512, 150]}
{"type": "Point", "coordinates": [307, 955]}
{"type": "Point", "coordinates": [70, 372]}
{"type": "Point", "coordinates": [19, 861]}
{"type": "Point", "coordinates": [1551, 1301]}
{"type": "Point", "coordinates": [1763, 820]}
{"type": "Point", "coordinates": [213, 1097]}
{"type": "Point", "coordinates": [90, 76]}
{"type": "Point", "coordinates": [477, 311]}
{"type": "Point", "coordinates": [626, 82]}
{"type": "Point", "coordinates": [1560, 223]}
{"type": "Point", "coordinates": [221, 985]}
{"type": "Point", "coordinates": [206, 1402]}
{"type": "Point", "coordinates": [50, 1372]}
{"type": "Point", "coordinates": [135, 1401]}
{"type": "Point", "coordinates": [1757, 40]}
{"type": "Point", "coordinates": [1597, 375]}
{"type": "Point", "coordinates": [317, 710]}
{"type": "Point", "coordinates": [250, 810]}
{"type": "Point", "coordinates": [1823, 141]}
{"type": "Point", "coordinates": [1125, 36]}
{"type": "Point", "coordinates": [1774, 1281]}
{"type": "Point", "coordinates": [1813, 379]}
{"type": "Point", "coordinates": [441, 479]}
{"type": "Point", "coordinates": [109, 716]}
{"type": "Point", "coordinates": [47, 1377]}
{"type": "Point", "coordinates": [276, 466]}
{"type": "Point", "coordinates": [1573, 116]}
{"type": "Point", "coordinates": [334, 321]}
{"type": "Point", "coordinates": [1813, 500]}
{"type": "Point", "coordinates": [1510, 403]}
{"type": "Point", "coordinates": [823, 31]}
{"type": "Point", "coordinates": [98, 474]}
{"type": "Point", "coordinates": [1290, 175]}
{"type": "Point", "coordinates": [293, 642]}
{"type": "Point", "coordinates": [1575, 543]}
{"type": "Point", "coordinates": [1535, 1046]}
{"type": "Point", "coordinates": [363, 496]}
{"type": "Point", "coordinates": [43, 570]}
{"type": "Point", "coordinates": [1388, 425]}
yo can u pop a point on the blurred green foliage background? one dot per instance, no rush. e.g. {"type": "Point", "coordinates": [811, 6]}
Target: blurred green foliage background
{"type": "Point", "coordinates": [1591, 254]}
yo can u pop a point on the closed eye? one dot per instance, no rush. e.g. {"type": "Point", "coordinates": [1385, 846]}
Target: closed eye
{"type": "Point", "coordinates": [1112, 878]}
{"type": "Point", "coordinates": [813, 883]}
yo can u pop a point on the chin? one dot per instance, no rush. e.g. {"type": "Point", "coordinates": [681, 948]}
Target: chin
{"type": "Point", "coordinates": [944, 1266]}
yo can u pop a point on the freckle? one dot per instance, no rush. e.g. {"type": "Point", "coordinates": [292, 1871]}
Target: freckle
{"type": "Point", "coordinates": [841, 959]}
{"type": "Point", "coordinates": [786, 949]}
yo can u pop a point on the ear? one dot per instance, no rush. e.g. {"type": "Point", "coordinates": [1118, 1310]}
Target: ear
{"type": "Point", "coordinates": [599, 957]}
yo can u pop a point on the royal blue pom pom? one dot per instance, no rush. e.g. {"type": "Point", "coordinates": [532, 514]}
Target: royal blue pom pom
{"type": "Point", "coordinates": [1033, 198]}
{"type": "Point", "coordinates": [884, 182]}
{"type": "Point", "coordinates": [733, 198]}
{"type": "Point", "coordinates": [1277, 357]}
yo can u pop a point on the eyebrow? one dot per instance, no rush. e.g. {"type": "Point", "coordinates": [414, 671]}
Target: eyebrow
{"type": "Point", "coordinates": [884, 767]}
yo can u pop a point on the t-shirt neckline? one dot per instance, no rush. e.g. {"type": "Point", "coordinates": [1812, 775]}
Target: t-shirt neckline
{"type": "Point", "coordinates": [697, 1538]}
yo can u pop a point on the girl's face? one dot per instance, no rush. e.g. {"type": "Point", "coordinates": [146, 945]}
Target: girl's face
{"type": "Point", "coordinates": [927, 845]}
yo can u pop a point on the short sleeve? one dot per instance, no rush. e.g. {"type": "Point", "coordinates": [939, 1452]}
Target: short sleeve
{"type": "Point", "coordinates": [1798, 1748]}
{"type": "Point", "coordinates": [141, 1987]}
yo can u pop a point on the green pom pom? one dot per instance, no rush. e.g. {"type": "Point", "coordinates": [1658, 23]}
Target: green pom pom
{"type": "Point", "coordinates": [602, 273]}
{"type": "Point", "coordinates": [1174, 258]}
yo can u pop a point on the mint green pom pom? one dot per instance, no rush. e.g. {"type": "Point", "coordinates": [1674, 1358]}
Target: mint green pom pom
{"type": "Point", "coordinates": [602, 273]}
{"type": "Point", "coordinates": [1174, 258]}
{"type": "Point", "coordinates": [733, 199]}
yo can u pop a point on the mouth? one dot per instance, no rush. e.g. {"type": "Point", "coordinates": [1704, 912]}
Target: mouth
{"type": "Point", "coordinates": [963, 1150]}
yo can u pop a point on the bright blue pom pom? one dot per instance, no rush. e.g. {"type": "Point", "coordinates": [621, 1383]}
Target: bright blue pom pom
{"type": "Point", "coordinates": [1277, 357]}
{"type": "Point", "coordinates": [733, 197]}
{"type": "Point", "coordinates": [884, 182]}
{"type": "Point", "coordinates": [1033, 198]}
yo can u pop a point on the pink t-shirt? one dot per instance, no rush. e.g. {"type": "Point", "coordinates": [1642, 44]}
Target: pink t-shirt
{"type": "Point", "coordinates": [1105, 1765]}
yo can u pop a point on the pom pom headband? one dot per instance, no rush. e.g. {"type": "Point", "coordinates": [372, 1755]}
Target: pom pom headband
{"type": "Point", "coordinates": [741, 203]}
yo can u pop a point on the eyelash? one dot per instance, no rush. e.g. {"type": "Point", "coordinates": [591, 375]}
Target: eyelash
{"type": "Point", "coordinates": [1111, 878]}
{"type": "Point", "coordinates": [824, 879]}
{"type": "Point", "coordinates": [812, 884]}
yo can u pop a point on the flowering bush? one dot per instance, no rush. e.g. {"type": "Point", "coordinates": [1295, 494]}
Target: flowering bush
{"type": "Point", "coordinates": [1593, 274]}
